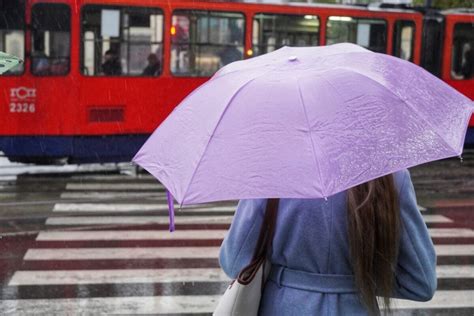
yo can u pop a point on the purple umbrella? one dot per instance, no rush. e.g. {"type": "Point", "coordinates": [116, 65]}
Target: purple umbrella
{"type": "Point", "coordinates": [304, 123]}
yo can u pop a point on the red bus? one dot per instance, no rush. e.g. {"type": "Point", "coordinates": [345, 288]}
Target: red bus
{"type": "Point", "coordinates": [100, 75]}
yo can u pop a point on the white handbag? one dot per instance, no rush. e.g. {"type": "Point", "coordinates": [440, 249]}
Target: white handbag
{"type": "Point", "coordinates": [242, 297]}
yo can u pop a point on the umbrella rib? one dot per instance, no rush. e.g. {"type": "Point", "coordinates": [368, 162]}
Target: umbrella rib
{"type": "Point", "coordinates": [310, 135]}
{"type": "Point", "coordinates": [404, 101]}
{"type": "Point", "coordinates": [215, 128]}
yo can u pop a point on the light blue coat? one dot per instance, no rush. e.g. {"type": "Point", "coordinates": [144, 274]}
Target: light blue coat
{"type": "Point", "coordinates": [311, 236]}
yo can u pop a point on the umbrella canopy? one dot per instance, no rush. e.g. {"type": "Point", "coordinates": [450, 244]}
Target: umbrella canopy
{"type": "Point", "coordinates": [8, 62]}
{"type": "Point", "coordinates": [304, 123]}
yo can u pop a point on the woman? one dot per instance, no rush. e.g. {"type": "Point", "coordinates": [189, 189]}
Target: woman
{"type": "Point", "coordinates": [332, 257]}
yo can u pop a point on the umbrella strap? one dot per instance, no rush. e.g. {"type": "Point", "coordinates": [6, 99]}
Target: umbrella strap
{"type": "Point", "coordinates": [170, 210]}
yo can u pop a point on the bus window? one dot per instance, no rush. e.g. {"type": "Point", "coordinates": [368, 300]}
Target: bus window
{"type": "Point", "coordinates": [12, 34]}
{"type": "Point", "coordinates": [272, 31]}
{"type": "Point", "coordinates": [50, 40]}
{"type": "Point", "coordinates": [462, 60]}
{"type": "Point", "coordinates": [432, 44]}
{"type": "Point", "coordinates": [371, 34]}
{"type": "Point", "coordinates": [121, 41]}
{"type": "Point", "coordinates": [404, 39]}
{"type": "Point", "coordinates": [204, 41]}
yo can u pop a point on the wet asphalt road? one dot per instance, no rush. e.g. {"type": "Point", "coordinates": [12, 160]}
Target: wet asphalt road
{"type": "Point", "coordinates": [97, 243]}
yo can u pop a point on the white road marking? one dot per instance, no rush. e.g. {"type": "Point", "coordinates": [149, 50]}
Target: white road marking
{"type": "Point", "coordinates": [455, 271]}
{"type": "Point", "coordinates": [454, 250]}
{"type": "Point", "coordinates": [13, 168]}
{"type": "Point", "coordinates": [136, 220]}
{"type": "Point", "coordinates": [114, 186]}
{"type": "Point", "coordinates": [120, 253]}
{"type": "Point", "coordinates": [192, 234]}
{"type": "Point", "coordinates": [8, 195]}
{"type": "Point", "coordinates": [436, 219]}
{"type": "Point", "coordinates": [112, 305]}
{"type": "Point", "coordinates": [107, 207]}
{"type": "Point", "coordinates": [109, 220]}
{"type": "Point", "coordinates": [117, 276]}
{"type": "Point", "coordinates": [421, 208]}
{"type": "Point", "coordinates": [130, 235]}
{"type": "Point", "coordinates": [441, 299]}
{"type": "Point", "coordinates": [121, 176]}
{"type": "Point", "coordinates": [174, 252]}
{"type": "Point", "coordinates": [188, 304]}
{"type": "Point", "coordinates": [106, 195]}
{"type": "Point", "coordinates": [451, 232]}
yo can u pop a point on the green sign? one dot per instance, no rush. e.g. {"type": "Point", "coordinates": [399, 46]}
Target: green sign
{"type": "Point", "coordinates": [8, 62]}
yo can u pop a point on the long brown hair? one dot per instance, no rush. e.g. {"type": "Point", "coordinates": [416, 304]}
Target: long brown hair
{"type": "Point", "coordinates": [374, 229]}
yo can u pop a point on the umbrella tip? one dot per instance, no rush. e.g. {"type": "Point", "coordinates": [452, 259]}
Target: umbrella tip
{"type": "Point", "coordinates": [460, 158]}
{"type": "Point", "coordinates": [292, 58]}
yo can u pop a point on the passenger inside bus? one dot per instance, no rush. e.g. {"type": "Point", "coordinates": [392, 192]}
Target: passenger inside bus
{"type": "Point", "coordinates": [40, 63]}
{"type": "Point", "coordinates": [229, 54]}
{"type": "Point", "coordinates": [111, 65]}
{"type": "Point", "coordinates": [153, 67]}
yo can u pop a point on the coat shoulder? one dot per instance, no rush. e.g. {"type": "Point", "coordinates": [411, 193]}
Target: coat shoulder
{"type": "Point", "coordinates": [401, 177]}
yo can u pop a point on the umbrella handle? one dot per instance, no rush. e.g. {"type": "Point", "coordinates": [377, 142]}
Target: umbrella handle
{"type": "Point", "coordinates": [170, 210]}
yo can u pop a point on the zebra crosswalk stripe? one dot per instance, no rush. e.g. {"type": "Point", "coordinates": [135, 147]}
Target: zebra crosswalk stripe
{"type": "Point", "coordinates": [107, 207]}
{"type": "Point", "coordinates": [454, 250]}
{"type": "Point", "coordinates": [130, 235]}
{"type": "Point", "coordinates": [109, 220]}
{"type": "Point", "coordinates": [194, 234]}
{"type": "Point", "coordinates": [135, 220]}
{"type": "Point", "coordinates": [118, 276]}
{"type": "Point", "coordinates": [120, 253]}
{"type": "Point", "coordinates": [115, 177]}
{"type": "Point", "coordinates": [441, 299]}
{"type": "Point", "coordinates": [108, 195]}
{"type": "Point", "coordinates": [173, 252]}
{"type": "Point", "coordinates": [113, 305]}
{"type": "Point", "coordinates": [189, 304]}
{"type": "Point", "coordinates": [451, 232]}
{"type": "Point", "coordinates": [430, 218]}
{"type": "Point", "coordinates": [114, 186]}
